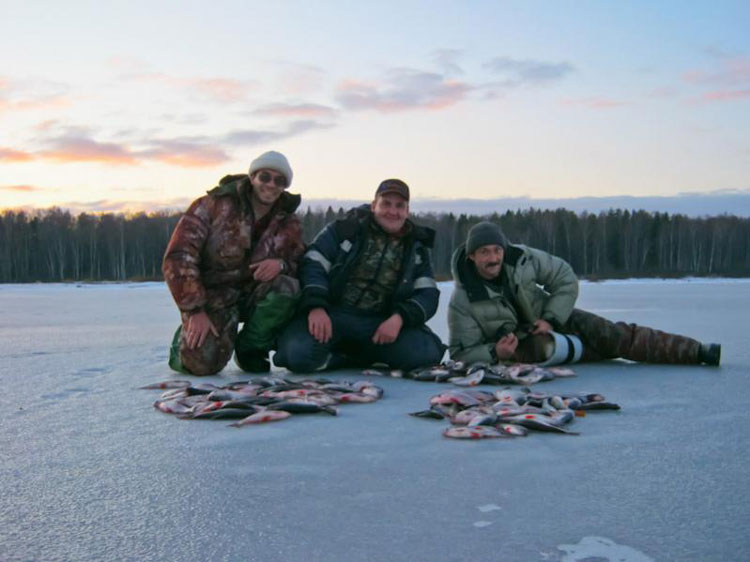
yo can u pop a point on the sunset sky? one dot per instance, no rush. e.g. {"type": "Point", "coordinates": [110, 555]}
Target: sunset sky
{"type": "Point", "coordinates": [146, 104]}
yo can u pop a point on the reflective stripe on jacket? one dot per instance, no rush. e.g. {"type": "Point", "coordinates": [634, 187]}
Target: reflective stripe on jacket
{"type": "Point", "coordinates": [328, 263]}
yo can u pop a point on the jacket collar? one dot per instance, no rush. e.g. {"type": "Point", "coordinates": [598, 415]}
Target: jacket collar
{"type": "Point", "coordinates": [465, 274]}
{"type": "Point", "coordinates": [361, 216]}
{"type": "Point", "coordinates": [238, 186]}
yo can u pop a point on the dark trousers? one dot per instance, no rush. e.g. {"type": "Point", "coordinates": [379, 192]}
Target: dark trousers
{"type": "Point", "coordinates": [604, 339]}
{"type": "Point", "coordinates": [264, 313]}
{"type": "Point", "coordinates": [351, 345]}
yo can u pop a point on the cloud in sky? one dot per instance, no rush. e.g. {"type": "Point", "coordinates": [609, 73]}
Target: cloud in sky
{"type": "Point", "coordinates": [728, 79]}
{"type": "Point", "coordinates": [213, 88]}
{"type": "Point", "coordinates": [296, 79]}
{"type": "Point", "coordinates": [244, 137]}
{"type": "Point", "coordinates": [224, 90]}
{"type": "Point", "coordinates": [78, 144]}
{"type": "Point", "coordinates": [726, 95]}
{"type": "Point", "coordinates": [403, 89]}
{"type": "Point", "coordinates": [301, 110]}
{"type": "Point", "coordinates": [20, 188]}
{"type": "Point", "coordinates": [124, 206]}
{"type": "Point", "coordinates": [82, 149]}
{"type": "Point", "coordinates": [447, 61]}
{"type": "Point", "coordinates": [730, 71]}
{"type": "Point", "coordinates": [520, 72]}
{"type": "Point", "coordinates": [185, 153]}
{"type": "Point", "coordinates": [596, 102]}
{"type": "Point", "coordinates": [12, 155]}
{"type": "Point", "coordinates": [17, 95]}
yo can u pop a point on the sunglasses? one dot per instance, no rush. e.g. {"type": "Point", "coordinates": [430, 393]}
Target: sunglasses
{"type": "Point", "coordinates": [278, 181]}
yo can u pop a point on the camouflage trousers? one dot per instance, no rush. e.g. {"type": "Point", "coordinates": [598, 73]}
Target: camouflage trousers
{"type": "Point", "coordinates": [604, 339]}
{"type": "Point", "coordinates": [264, 313]}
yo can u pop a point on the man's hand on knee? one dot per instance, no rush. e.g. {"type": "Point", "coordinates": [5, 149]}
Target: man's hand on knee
{"type": "Point", "coordinates": [319, 325]}
{"type": "Point", "coordinates": [388, 330]}
{"type": "Point", "coordinates": [197, 328]}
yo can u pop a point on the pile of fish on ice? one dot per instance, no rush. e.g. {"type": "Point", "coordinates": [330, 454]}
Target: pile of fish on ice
{"type": "Point", "coordinates": [461, 374]}
{"type": "Point", "coordinates": [260, 400]}
{"type": "Point", "coordinates": [477, 414]}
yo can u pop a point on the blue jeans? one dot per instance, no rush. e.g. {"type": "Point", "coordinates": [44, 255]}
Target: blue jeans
{"type": "Point", "coordinates": [351, 345]}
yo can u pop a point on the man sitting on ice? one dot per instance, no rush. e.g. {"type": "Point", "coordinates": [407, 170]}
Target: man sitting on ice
{"type": "Point", "coordinates": [513, 303]}
{"type": "Point", "coordinates": [367, 291]}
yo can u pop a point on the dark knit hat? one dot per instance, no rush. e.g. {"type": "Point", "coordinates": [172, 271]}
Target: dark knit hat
{"type": "Point", "coordinates": [483, 234]}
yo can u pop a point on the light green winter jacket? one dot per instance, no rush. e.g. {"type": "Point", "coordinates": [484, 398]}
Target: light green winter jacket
{"type": "Point", "coordinates": [540, 286]}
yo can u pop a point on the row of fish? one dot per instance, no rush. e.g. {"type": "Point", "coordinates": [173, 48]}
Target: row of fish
{"type": "Point", "coordinates": [260, 400]}
{"type": "Point", "coordinates": [462, 374]}
{"type": "Point", "coordinates": [478, 414]}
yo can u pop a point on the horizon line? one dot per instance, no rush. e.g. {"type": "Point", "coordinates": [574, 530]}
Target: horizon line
{"type": "Point", "coordinates": [710, 203]}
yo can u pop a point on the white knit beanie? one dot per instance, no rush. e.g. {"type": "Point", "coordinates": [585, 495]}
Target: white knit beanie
{"type": "Point", "coordinates": [275, 161]}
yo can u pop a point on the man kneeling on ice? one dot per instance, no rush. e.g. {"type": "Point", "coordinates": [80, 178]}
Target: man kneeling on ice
{"type": "Point", "coordinates": [367, 291]}
{"type": "Point", "coordinates": [513, 303]}
{"type": "Point", "coordinates": [233, 258]}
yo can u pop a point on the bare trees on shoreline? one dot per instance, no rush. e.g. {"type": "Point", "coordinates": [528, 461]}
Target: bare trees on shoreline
{"type": "Point", "coordinates": [54, 245]}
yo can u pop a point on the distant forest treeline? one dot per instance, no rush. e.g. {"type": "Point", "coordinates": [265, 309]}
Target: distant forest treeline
{"type": "Point", "coordinates": [53, 245]}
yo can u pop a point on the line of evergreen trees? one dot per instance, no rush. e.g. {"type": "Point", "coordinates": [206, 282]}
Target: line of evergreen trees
{"type": "Point", "coordinates": [53, 245]}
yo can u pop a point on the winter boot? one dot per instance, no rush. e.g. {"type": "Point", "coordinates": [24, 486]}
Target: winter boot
{"type": "Point", "coordinates": [710, 354]}
{"type": "Point", "coordinates": [252, 360]}
{"type": "Point", "coordinates": [174, 353]}
{"type": "Point", "coordinates": [259, 332]}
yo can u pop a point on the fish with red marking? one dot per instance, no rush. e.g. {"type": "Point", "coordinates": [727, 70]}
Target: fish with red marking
{"type": "Point", "coordinates": [262, 417]}
{"type": "Point", "coordinates": [164, 385]}
{"type": "Point", "coordinates": [475, 432]}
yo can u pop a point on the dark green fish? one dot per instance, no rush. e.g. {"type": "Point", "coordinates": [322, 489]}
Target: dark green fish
{"type": "Point", "coordinates": [302, 407]}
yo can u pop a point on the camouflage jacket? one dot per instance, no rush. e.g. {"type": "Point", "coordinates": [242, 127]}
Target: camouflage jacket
{"type": "Point", "coordinates": [206, 263]}
{"type": "Point", "coordinates": [539, 285]}
{"type": "Point", "coordinates": [330, 261]}
{"type": "Point", "coordinates": [375, 275]}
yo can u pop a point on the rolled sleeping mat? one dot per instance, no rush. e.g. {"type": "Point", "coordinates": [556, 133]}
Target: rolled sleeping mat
{"type": "Point", "coordinates": [568, 349]}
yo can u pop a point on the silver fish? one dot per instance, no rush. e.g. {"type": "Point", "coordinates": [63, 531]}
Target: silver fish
{"type": "Point", "coordinates": [262, 417]}
{"type": "Point", "coordinates": [459, 397]}
{"type": "Point", "coordinates": [475, 432]}
{"type": "Point", "coordinates": [172, 406]}
{"type": "Point", "coordinates": [432, 413]}
{"type": "Point", "coordinates": [561, 371]}
{"type": "Point", "coordinates": [302, 407]}
{"type": "Point", "coordinates": [537, 422]}
{"type": "Point", "coordinates": [473, 379]}
{"type": "Point", "coordinates": [166, 385]}
{"type": "Point", "coordinates": [367, 388]}
{"type": "Point", "coordinates": [355, 397]}
{"type": "Point", "coordinates": [223, 414]}
{"type": "Point", "coordinates": [464, 417]}
{"type": "Point", "coordinates": [513, 429]}
{"type": "Point", "coordinates": [599, 405]}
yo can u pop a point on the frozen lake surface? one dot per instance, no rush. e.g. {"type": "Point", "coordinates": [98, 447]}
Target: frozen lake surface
{"type": "Point", "coordinates": [90, 471]}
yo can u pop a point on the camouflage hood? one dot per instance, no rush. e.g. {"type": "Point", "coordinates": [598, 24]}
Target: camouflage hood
{"type": "Point", "coordinates": [239, 187]}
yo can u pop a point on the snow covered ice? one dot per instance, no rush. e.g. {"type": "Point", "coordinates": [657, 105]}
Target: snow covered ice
{"type": "Point", "coordinates": [89, 470]}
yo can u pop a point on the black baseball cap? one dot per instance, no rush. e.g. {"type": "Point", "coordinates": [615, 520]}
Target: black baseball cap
{"type": "Point", "coordinates": [393, 186]}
